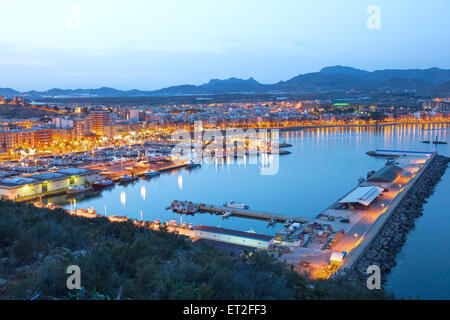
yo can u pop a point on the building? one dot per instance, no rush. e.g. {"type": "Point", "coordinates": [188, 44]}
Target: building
{"type": "Point", "coordinates": [99, 120]}
{"type": "Point", "coordinates": [16, 138]}
{"type": "Point", "coordinates": [13, 139]}
{"type": "Point", "coordinates": [362, 196]}
{"type": "Point", "coordinates": [136, 115]}
{"type": "Point", "coordinates": [36, 185]}
{"type": "Point", "coordinates": [241, 238]}
{"type": "Point", "coordinates": [385, 176]}
{"type": "Point", "coordinates": [123, 128]}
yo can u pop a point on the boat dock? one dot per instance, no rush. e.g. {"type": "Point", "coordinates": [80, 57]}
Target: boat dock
{"type": "Point", "coordinates": [246, 213]}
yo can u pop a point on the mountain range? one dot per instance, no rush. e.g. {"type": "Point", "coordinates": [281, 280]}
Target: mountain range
{"type": "Point", "coordinates": [433, 81]}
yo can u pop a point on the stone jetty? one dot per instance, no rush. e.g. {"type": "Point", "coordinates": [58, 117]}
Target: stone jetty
{"type": "Point", "coordinates": [388, 243]}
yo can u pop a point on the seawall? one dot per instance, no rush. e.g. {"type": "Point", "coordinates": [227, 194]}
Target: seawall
{"type": "Point", "coordinates": [388, 237]}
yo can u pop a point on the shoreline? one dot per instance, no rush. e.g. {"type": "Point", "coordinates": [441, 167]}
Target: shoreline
{"type": "Point", "coordinates": [384, 248]}
{"type": "Point", "coordinates": [299, 128]}
{"type": "Point", "coordinates": [295, 128]}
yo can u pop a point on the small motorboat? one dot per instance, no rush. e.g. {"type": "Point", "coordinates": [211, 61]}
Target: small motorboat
{"type": "Point", "coordinates": [151, 173]}
{"type": "Point", "coordinates": [288, 223]}
{"type": "Point", "coordinates": [226, 215]}
{"type": "Point", "coordinates": [77, 189]}
{"type": "Point", "coordinates": [272, 222]}
{"type": "Point", "coordinates": [126, 178]}
{"type": "Point", "coordinates": [235, 205]}
{"type": "Point", "coordinates": [390, 161]}
{"type": "Point", "coordinates": [103, 184]}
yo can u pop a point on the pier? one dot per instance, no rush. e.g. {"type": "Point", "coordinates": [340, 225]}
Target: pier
{"type": "Point", "coordinates": [246, 213]}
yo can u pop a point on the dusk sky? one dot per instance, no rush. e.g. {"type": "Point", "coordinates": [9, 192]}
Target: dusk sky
{"type": "Point", "coordinates": [153, 44]}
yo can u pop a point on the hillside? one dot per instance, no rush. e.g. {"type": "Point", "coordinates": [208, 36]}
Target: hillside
{"type": "Point", "coordinates": [8, 111]}
{"type": "Point", "coordinates": [123, 261]}
{"type": "Point", "coordinates": [329, 79]}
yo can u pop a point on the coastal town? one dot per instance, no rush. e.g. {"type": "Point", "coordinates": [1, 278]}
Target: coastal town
{"type": "Point", "coordinates": [77, 148]}
{"type": "Point", "coordinates": [64, 128]}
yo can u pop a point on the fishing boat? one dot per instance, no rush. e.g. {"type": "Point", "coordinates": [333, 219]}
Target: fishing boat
{"type": "Point", "coordinates": [77, 189]}
{"type": "Point", "coordinates": [235, 205]}
{"type": "Point", "coordinates": [103, 184]}
{"type": "Point", "coordinates": [151, 173]}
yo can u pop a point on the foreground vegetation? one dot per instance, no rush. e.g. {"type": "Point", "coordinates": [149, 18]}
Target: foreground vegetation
{"type": "Point", "coordinates": [122, 261]}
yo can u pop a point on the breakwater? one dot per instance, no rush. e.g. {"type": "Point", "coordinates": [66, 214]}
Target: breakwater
{"type": "Point", "coordinates": [384, 248]}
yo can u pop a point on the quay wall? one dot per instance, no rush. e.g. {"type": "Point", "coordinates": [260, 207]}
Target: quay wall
{"type": "Point", "coordinates": [387, 235]}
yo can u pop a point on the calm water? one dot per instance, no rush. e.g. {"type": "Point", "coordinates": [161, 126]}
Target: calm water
{"type": "Point", "coordinates": [324, 164]}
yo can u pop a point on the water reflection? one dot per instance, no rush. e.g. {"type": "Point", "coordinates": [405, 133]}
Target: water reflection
{"type": "Point", "coordinates": [143, 192]}
{"type": "Point", "coordinates": [324, 164]}
{"type": "Point", "coordinates": [123, 198]}
{"type": "Point", "coordinates": [180, 182]}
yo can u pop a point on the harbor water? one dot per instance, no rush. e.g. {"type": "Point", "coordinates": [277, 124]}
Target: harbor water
{"type": "Point", "coordinates": [323, 165]}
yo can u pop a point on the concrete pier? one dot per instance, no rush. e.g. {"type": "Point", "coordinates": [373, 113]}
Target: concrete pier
{"type": "Point", "coordinates": [378, 225]}
{"type": "Point", "coordinates": [247, 213]}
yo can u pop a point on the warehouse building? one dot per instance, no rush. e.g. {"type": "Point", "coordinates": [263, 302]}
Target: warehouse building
{"type": "Point", "coordinates": [385, 176]}
{"type": "Point", "coordinates": [241, 238]}
{"type": "Point", "coordinates": [42, 184]}
{"type": "Point", "coordinates": [362, 197]}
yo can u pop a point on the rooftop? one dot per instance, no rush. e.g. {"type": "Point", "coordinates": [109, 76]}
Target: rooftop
{"type": "Point", "coordinates": [362, 195]}
{"type": "Point", "coordinates": [44, 176]}
{"type": "Point", "coordinates": [234, 233]}
{"type": "Point", "coordinates": [386, 174]}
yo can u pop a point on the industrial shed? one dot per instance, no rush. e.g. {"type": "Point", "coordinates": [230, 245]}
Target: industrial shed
{"type": "Point", "coordinates": [362, 196]}
{"type": "Point", "coordinates": [42, 184]}
{"type": "Point", "coordinates": [248, 239]}
{"type": "Point", "coordinates": [385, 176]}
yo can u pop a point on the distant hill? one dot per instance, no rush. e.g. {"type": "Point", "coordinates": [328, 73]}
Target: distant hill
{"type": "Point", "coordinates": [433, 81]}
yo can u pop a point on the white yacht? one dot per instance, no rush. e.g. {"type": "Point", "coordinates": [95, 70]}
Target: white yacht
{"type": "Point", "coordinates": [235, 205]}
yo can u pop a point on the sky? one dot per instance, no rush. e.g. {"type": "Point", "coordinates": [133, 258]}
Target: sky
{"type": "Point", "coordinates": [153, 44]}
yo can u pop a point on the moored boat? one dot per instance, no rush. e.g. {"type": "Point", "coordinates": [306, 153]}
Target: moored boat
{"type": "Point", "coordinates": [235, 205]}
{"type": "Point", "coordinates": [226, 215]}
{"type": "Point", "coordinates": [77, 189]}
{"type": "Point", "coordinates": [151, 173]}
{"type": "Point", "coordinates": [126, 178]}
{"type": "Point", "coordinates": [103, 184]}
{"type": "Point", "coordinates": [288, 223]}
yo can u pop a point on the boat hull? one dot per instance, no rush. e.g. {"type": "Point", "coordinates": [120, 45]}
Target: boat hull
{"type": "Point", "coordinates": [75, 191]}
{"type": "Point", "coordinates": [103, 185]}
